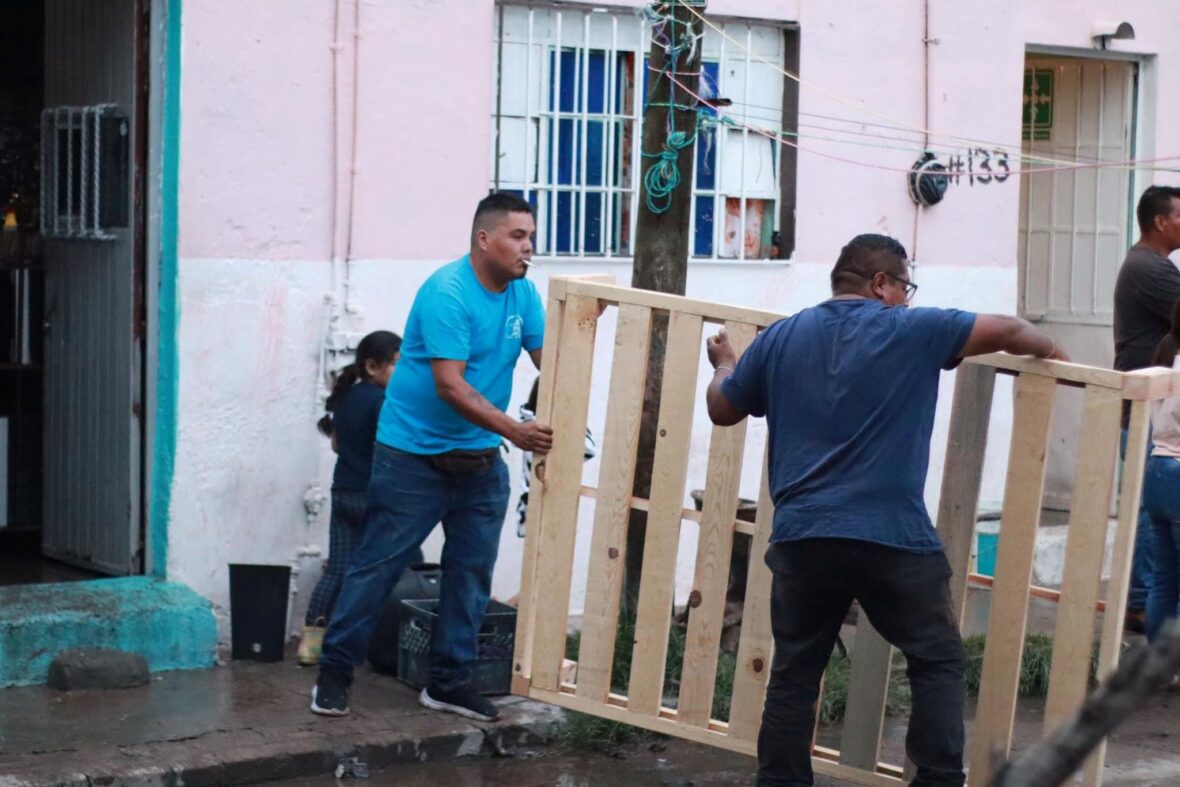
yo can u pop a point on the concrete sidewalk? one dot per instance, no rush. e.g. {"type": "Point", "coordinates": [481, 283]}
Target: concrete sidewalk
{"type": "Point", "coordinates": [236, 724]}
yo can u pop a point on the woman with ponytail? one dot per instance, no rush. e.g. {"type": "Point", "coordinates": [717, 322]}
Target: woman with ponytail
{"type": "Point", "coordinates": [1161, 492]}
{"type": "Point", "coordinates": [351, 422]}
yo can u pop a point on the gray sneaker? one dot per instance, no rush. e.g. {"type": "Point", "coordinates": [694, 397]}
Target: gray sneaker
{"type": "Point", "coordinates": [464, 700]}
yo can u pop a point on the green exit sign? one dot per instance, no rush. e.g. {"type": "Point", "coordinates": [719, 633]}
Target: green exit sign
{"type": "Point", "coordinates": [1037, 122]}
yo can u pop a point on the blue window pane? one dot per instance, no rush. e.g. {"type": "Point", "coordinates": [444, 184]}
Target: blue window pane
{"type": "Point", "coordinates": [565, 221]}
{"type": "Point", "coordinates": [706, 159]}
{"type": "Point", "coordinates": [594, 219]}
{"type": "Point", "coordinates": [703, 231]}
{"type": "Point", "coordinates": [596, 88]}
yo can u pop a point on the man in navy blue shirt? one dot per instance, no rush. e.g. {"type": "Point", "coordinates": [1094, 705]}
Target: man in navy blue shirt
{"type": "Point", "coordinates": [848, 389]}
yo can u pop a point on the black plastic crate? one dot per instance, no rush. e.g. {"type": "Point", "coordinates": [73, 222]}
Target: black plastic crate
{"type": "Point", "coordinates": [492, 671]}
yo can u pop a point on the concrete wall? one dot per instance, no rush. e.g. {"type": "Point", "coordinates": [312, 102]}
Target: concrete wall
{"type": "Point", "coordinates": [264, 210]}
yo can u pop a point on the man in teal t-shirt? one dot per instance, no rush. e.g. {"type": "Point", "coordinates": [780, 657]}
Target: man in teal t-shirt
{"type": "Point", "coordinates": [437, 457]}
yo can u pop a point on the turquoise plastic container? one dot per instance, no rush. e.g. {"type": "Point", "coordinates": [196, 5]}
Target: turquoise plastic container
{"type": "Point", "coordinates": [985, 553]}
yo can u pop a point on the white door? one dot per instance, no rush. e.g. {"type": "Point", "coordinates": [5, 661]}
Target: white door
{"type": "Point", "coordinates": [1074, 224]}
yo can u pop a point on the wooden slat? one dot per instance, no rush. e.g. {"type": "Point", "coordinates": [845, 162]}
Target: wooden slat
{"type": "Point", "coordinates": [1117, 587]}
{"type": "Point", "coordinates": [756, 646]}
{"type": "Point", "coordinates": [1066, 373]}
{"type": "Point", "coordinates": [1023, 491]}
{"type": "Point", "coordinates": [560, 490]}
{"type": "Point", "coordinates": [608, 544]}
{"type": "Point", "coordinates": [673, 434]}
{"type": "Point", "coordinates": [962, 472]}
{"type": "Point", "coordinates": [868, 685]}
{"type": "Point", "coordinates": [689, 514]}
{"type": "Point", "coordinates": [714, 547]}
{"type": "Point", "coordinates": [712, 312]}
{"type": "Point", "coordinates": [526, 604]}
{"type": "Point", "coordinates": [1085, 547]}
{"type": "Point", "coordinates": [717, 734]}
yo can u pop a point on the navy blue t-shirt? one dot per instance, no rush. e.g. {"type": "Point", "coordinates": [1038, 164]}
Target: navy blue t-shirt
{"type": "Point", "coordinates": [848, 388]}
{"type": "Point", "coordinates": [355, 424]}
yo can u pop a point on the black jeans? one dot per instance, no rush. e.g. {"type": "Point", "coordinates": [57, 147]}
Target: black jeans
{"type": "Point", "coordinates": [906, 597]}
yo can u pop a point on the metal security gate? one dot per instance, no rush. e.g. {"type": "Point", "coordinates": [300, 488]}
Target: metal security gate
{"type": "Point", "coordinates": [93, 351]}
{"type": "Point", "coordinates": [540, 669]}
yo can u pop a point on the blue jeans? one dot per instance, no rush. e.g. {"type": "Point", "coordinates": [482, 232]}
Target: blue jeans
{"type": "Point", "coordinates": [1161, 503]}
{"type": "Point", "coordinates": [407, 498]}
{"type": "Point", "coordinates": [1141, 563]}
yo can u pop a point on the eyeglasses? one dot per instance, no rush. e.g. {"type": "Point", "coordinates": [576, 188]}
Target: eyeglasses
{"type": "Point", "coordinates": [910, 287]}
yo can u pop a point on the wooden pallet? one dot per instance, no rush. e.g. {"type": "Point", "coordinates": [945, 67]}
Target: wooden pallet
{"type": "Point", "coordinates": [540, 668]}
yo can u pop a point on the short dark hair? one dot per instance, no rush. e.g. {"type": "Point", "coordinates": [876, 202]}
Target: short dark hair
{"type": "Point", "coordinates": [494, 206]}
{"type": "Point", "coordinates": [1156, 201]}
{"type": "Point", "coordinates": [863, 257]}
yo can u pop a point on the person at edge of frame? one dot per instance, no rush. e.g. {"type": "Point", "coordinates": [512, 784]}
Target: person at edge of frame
{"type": "Point", "coordinates": [1148, 285]}
{"type": "Point", "coordinates": [437, 458]}
{"type": "Point", "coordinates": [848, 388]}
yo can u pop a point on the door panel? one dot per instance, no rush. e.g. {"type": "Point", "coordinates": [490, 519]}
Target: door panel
{"type": "Point", "coordinates": [92, 362]}
{"type": "Point", "coordinates": [1074, 224]}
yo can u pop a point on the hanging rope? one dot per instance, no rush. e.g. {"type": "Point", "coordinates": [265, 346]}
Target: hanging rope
{"type": "Point", "coordinates": [677, 38]}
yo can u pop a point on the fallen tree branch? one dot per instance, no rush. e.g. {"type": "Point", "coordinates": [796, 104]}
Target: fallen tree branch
{"type": "Point", "coordinates": [1055, 758]}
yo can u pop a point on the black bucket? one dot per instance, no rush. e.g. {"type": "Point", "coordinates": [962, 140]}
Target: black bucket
{"type": "Point", "coordinates": [258, 610]}
{"type": "Point", "coordinates": [420, 581]}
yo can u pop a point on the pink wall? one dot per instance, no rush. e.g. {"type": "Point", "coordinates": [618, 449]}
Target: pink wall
{"type": "Point", "coordinates": [255, 167]}
{"type": "Point", "coordinates": [257, 124]}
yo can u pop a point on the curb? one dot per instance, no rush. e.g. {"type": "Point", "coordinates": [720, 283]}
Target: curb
{"type": "Point", "coordinates": [246, 757]}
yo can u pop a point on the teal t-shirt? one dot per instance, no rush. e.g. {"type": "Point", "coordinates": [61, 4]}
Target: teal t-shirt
{"type": "Point", "coordinates": [455, 318]}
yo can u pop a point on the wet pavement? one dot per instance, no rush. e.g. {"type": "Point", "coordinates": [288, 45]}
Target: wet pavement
{"type": "Point", "coordinates": [248, 723]}
{"type": "Point", "coordinates": [241, 723]}
{"type": "Point", "coordinates": [670, 764]}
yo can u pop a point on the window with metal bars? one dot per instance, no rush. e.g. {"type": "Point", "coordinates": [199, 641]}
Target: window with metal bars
{"type": "Point", "coordinates": [567, 130]}
{"type": "Point", "coordinates": [84, 171]}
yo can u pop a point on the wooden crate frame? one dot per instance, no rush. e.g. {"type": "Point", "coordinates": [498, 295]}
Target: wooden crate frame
{"type": "Point", "coordinates": [540, 670]}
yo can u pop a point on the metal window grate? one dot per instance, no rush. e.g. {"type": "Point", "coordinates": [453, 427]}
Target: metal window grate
{"type": "Point", "coordinates": [84, 152]}
{"type": "Point", "coordinates": [570, 85]}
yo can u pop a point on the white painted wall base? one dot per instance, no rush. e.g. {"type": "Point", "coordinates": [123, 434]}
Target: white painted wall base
{"type": "Point", "coordinates": [247, 448]}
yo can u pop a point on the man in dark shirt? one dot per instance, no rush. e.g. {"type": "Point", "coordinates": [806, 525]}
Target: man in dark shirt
{"type": "Point", "coordinates": [848, 389]}
{"type": "Point", "coordinates": [1147, 286]}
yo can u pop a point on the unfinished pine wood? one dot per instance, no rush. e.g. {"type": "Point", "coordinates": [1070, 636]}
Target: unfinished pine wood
{"type": "Point", "coordinates": [1130, 491]}
{"type": "Point", "coordinates": [1023, 491]}
{"type": "Point", "coordinates": [713, 312]}
{"type": "Point", "coordinates": [868, 684]}
{"type": "Point", "coordinates": [756, 646]}
{"type": "Point", "coordinates": [668, 723]}
{"type": "Point", "coordinates": [1075, 374]}
{"type": "Point", "coordinates": [1085, 547]}
{"type": "Point", "coordinates": [670, 467]}
{"type": "Point", "coordinates": [560, 489]}
{"type": "Point", "coordinates": [714, 548]}
{"type": "Point", "coordinates": [526, 604]}
{"type": "Point", "coordinates": [1150, 384]}
{"type": "Point", "coordinates": [962, 473]}
{"type": "Point", "coordinates": [608, 543]}
{"type": "Point", "coordinates": [690, 514]}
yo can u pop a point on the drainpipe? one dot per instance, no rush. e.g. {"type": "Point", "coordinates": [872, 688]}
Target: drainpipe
{"type": "Point", "coordinates": [343, 195]}
{"type": "Point", "coordinates": [927, 41]}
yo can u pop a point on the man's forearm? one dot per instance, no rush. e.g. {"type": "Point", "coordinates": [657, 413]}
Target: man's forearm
{"type": "Point", "coordinates": [1026, 339]}
{"type": "Point", "coordinates": [472, 405]}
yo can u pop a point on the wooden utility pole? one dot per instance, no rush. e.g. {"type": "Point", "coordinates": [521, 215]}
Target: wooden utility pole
{"type": "Point", "coordinates": [662, 235]}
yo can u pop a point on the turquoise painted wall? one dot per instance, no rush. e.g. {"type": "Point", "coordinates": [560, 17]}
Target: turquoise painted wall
{"type": "Point", "coordinates": [164, 450]}
{"type": "Point", "coordinates": [167, 623]}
